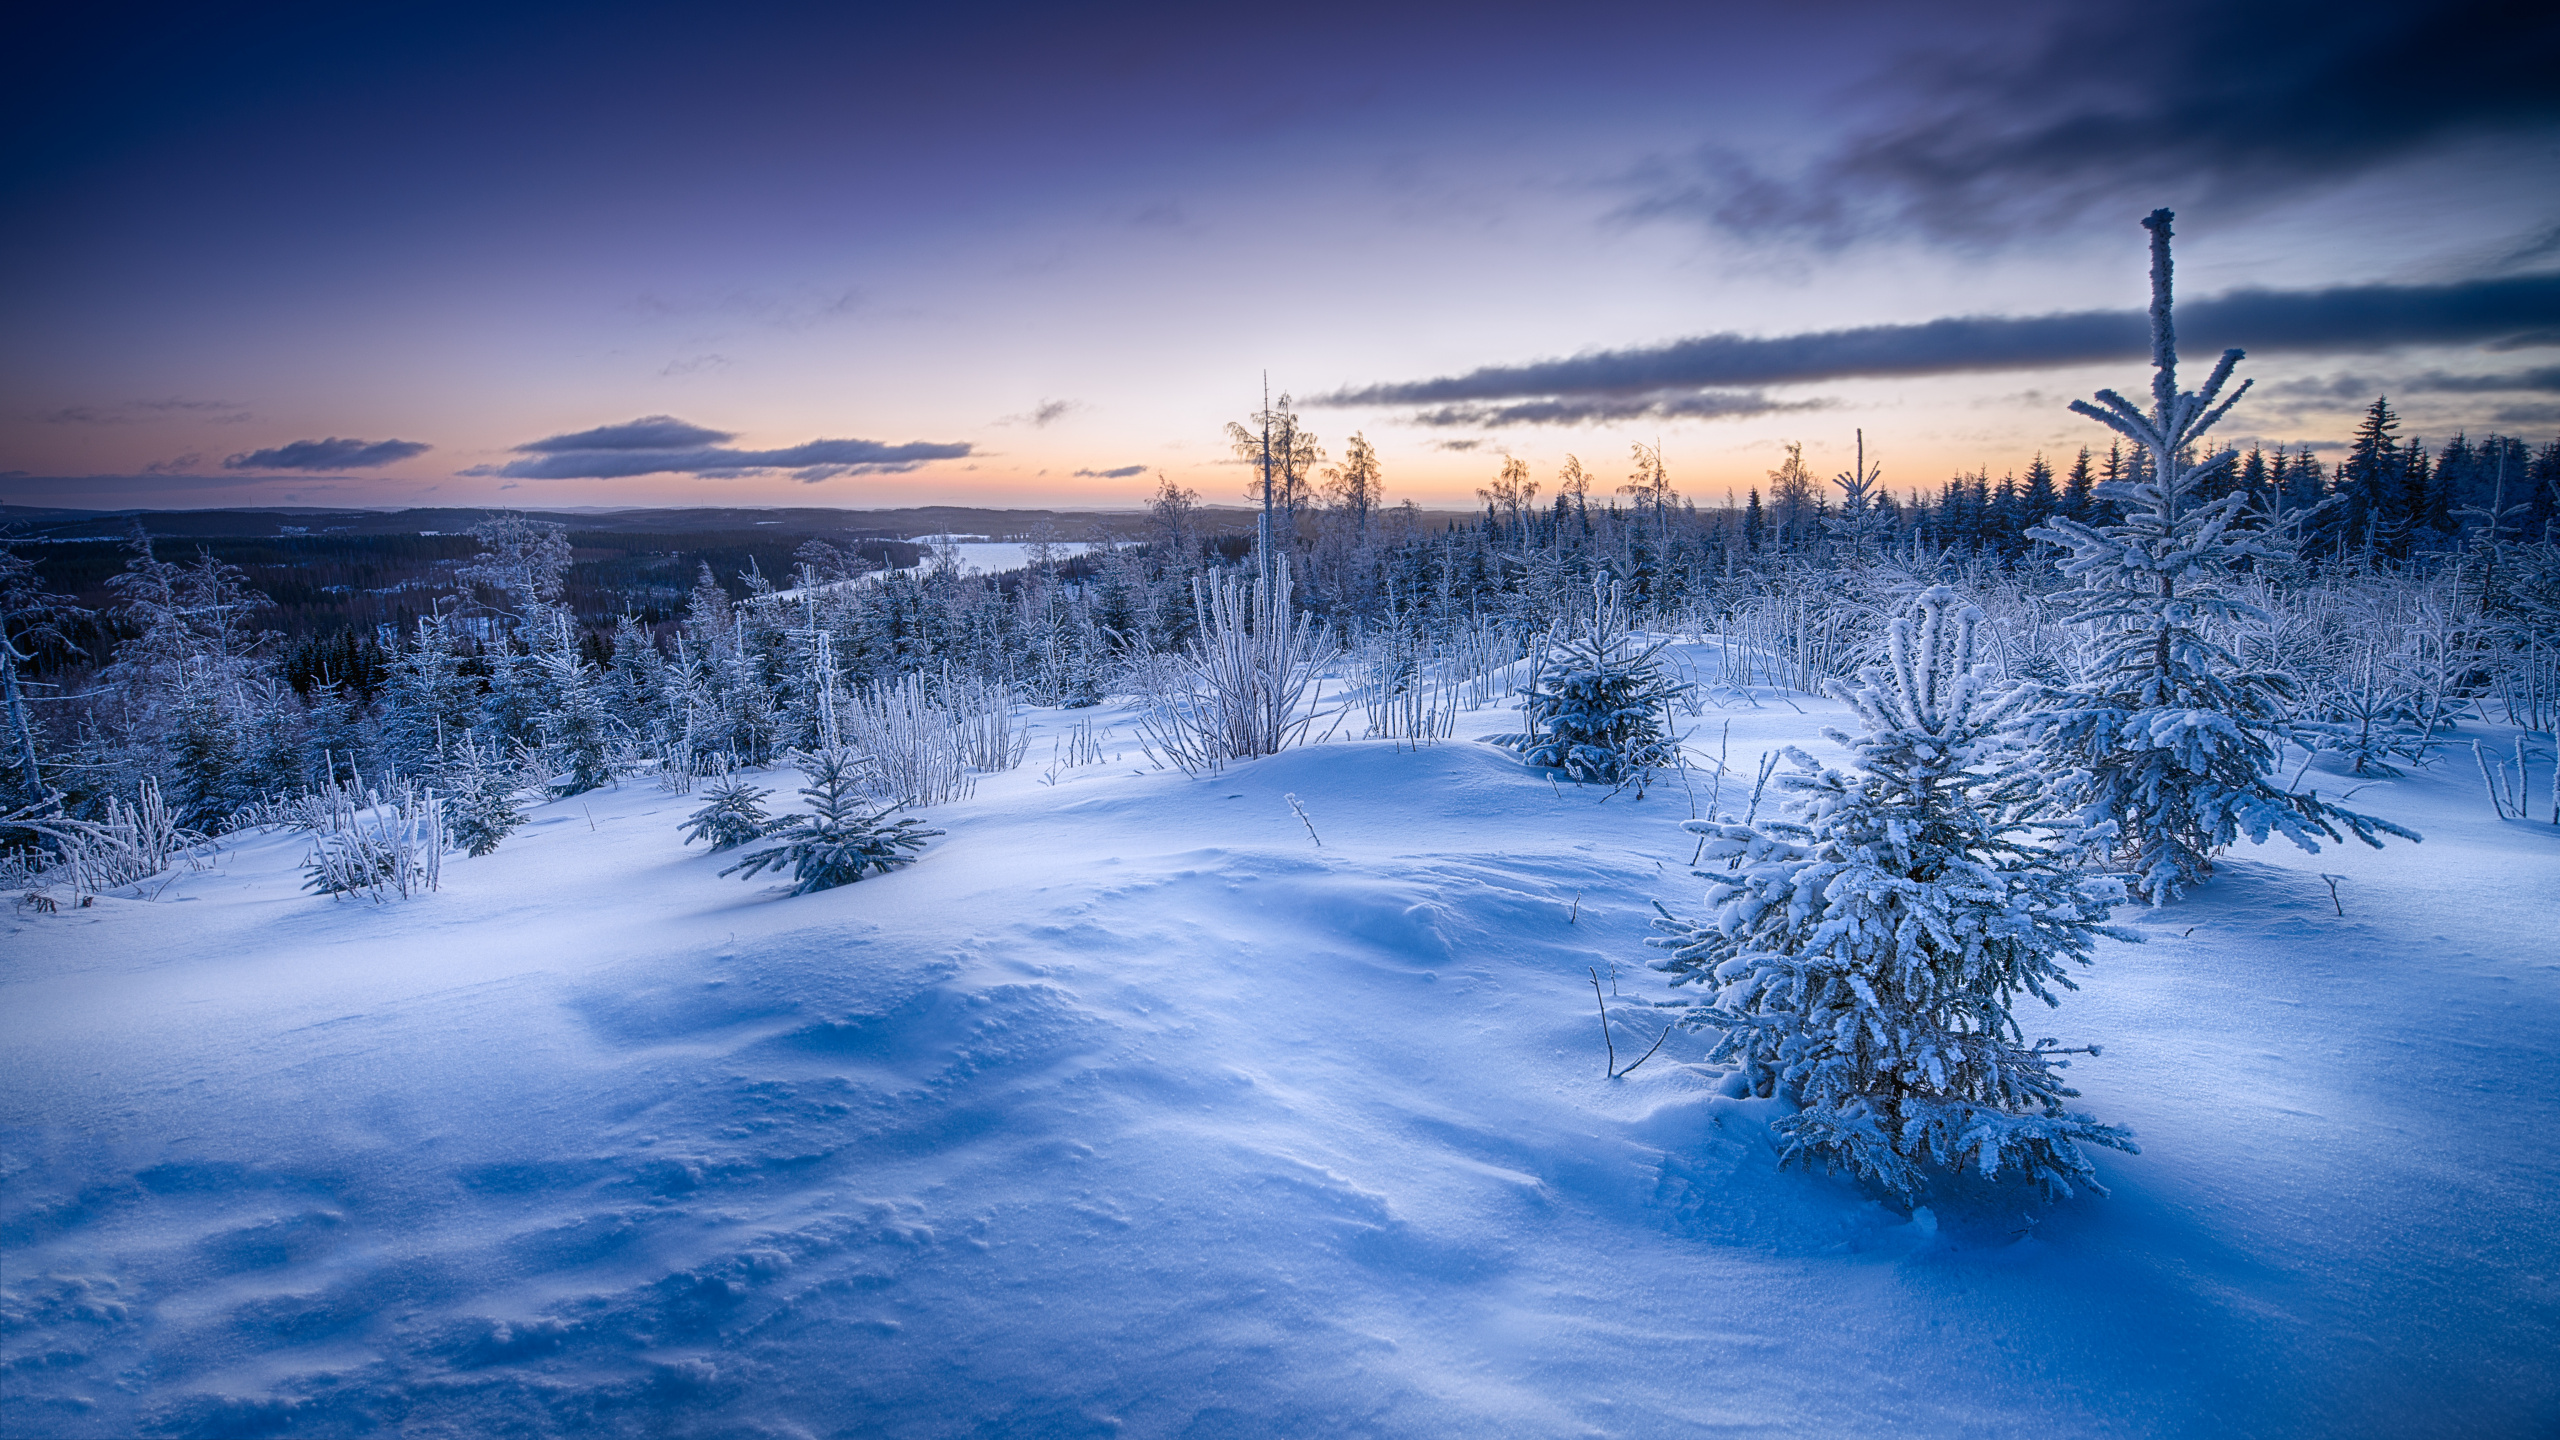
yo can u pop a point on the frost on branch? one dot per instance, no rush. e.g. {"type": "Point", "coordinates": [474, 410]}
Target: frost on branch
{"type": "Point", "coordinates": [843, 838]}
{"type": "Point", "coordinates": [1597, 707]}
{"type": "Point", "coordinates": [2168, 749]}
{"type": "Point", "coordinates": [734, 816]}
{"type": "Point", "coordinates": [1864, 958]}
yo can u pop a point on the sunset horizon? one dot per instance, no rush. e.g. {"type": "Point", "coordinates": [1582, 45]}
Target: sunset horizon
{"type": "Point", "coordinates": [863, 261]}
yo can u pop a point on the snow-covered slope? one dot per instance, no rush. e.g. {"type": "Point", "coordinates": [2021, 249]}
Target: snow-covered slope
{"type": "Point", "coordinates": [1132, 1110]}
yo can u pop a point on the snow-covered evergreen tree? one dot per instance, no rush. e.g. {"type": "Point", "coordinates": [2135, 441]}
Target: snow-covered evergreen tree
{"type": "Point", "coordinates": [734, 816]}
{"type": "Point", "coordinates": [479, 789]}
{"type": "Point", "coordinates": [577, 730]}
{"type": "Point", "coordinates": [203, 746]}
{"type": "Point", "coordinates": [519, 693]}
{"type": "Point", "coordinates": [636, 683]}
{"type": "Point", "coordinates": [273, 740]}
{"type": "Point", "coordinates": [427, 701]}
{"type": "Point", "coordinates": [2169, 751]}
{"type": "Point", "coordinates": [31, 621]}
{"type": "Point", "coordinates": [843, 838]}
{"type": "Point", "coordinates": [1865, 958]}
{"type": "Point", "coordinates": [334, 733]}
{"type": "Point", "coordinates": [1598, 708]}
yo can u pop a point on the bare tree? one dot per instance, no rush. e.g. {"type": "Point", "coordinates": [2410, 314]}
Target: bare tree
{"type": "Point", "coordinates": [1173, 510]}
{"type": "Point", "coordinates": [1284, 457]}
{"type": "Point", "coordinates": [1512, 491]}
{"type": "Point", "coordinates": [1353, 485]}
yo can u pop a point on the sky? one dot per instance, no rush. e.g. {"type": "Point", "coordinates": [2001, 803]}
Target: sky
{"type": "Point", "coordinates": [750, 254]}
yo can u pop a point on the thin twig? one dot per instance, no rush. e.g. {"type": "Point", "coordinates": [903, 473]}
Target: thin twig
{"type": "Point", "coordinates": [1657, 1044]}
{"type": "Point", "coordinates": [1303, 820]}
{"type": "Point", "coordinates": [1614, 1072]}
{"type": "Point", "coordinates": [1604, 1022]}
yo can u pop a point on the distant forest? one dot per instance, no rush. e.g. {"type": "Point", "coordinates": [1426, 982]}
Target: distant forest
{"type": "Point", "coordinates": [342, 583]}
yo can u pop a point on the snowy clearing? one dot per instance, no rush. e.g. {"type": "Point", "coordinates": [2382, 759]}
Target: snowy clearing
{"type": "Point", "coordinates": [1131, 1110]}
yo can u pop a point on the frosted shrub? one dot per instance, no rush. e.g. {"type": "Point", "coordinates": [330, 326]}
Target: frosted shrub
{"type": "Point", "coordinates": [1597, 707]}
{"type": "Point", "coordinates": [990, 738]}
{"type": "Point", "coordinates": [393, 849]}
{"type": "Point", "coordinates": [843, 838]}
{"type": "Point", "coordinates": [1864, 959]}
{"type": "Point", "coordinates": [1247, 685]}
{"type": "Point", "coordinates": [128, 843]}
{"type": "Point", "coordinates": [917, 752]}
{"type": "Point", "coordinates": [1402, 693]}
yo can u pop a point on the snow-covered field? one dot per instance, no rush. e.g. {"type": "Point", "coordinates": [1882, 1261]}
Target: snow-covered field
{"type": "Point", "coordinates": [1131, 1110]}
{"type": "Point", "coordinates": [993, 557]}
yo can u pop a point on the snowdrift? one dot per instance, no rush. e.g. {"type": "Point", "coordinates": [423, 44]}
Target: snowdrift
{"type": "Point", "coordinates": [1133, 1110]}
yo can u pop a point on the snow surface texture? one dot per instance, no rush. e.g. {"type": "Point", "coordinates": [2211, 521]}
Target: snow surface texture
{"type": "Point", "coordinates": [1128, 1110]}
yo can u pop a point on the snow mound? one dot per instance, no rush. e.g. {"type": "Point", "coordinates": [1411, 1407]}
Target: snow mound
{"type": "Point", "coordinates": [1133, 1110]}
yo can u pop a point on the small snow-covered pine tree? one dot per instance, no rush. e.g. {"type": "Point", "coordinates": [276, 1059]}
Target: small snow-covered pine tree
{"type": "Point", "coordinates": [2168, 752]}
{"type": "Point", "coordinates": [1598, 708]}
{"type": "Point", "coordinates": [1865, 958]}
{"type": "Point", "coordinates": [734, 816]}
{"type": "Point", "coordinates": [843, 838]}
{"type": "Point", "coordinates": [480, 789]}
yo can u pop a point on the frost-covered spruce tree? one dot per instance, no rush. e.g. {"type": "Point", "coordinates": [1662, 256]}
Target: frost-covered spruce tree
{"type": "Point", "coordinates": [577, 729]}
{"type": "Point", "coordinates": [734, 816]}
{"type": "Point", "coordinates": [428, 702]}
{"type": "Point", "coordinates": [1865, 957]}
{"type": "Point", "coordinates": [1598, 708]}
{"type": "Point", "coordinates": [843, 838]}
{"type": "Point", "coordinates": [2168, 752]}
{"type": "Point", "coordinates": [480, 788]}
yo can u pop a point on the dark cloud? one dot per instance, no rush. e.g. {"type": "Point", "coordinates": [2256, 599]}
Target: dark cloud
{"type": "Point", "coordinates": [330, 454]}
{"type": "Point", "coordinates": [2360, 387]}
{"type": "Point", "coordinates": [694, 364]}
{"type": "Point", "coordinates": [186, 464]}
{"type": "Point", "coordinates": [1607, 409]}
{"type": "Point", "coordinates": [662, 444]}
{"type": "Point", "coordinates": [1123, 473]}
{"type": "Point", "coordinates": [2541, 245]}
{"type": "Point", "coordinates": [649, 432]}
{"type": "Point", "coordinates": [2538, 414]}
{"type": "Point", "coordinates": [2241, 106]}
{"type": "Point", "coordinates": [1043, 415]}
{"type": "Point", "coordinates": [219, 412]}
{"type": "Point", "coordinates": [2340, 319]}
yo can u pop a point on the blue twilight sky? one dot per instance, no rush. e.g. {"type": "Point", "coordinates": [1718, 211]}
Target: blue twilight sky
{"type": "Point", "coordinates": [839, 255]}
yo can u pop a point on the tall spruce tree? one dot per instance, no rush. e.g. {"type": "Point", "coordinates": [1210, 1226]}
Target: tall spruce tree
{"type": "Point", "coordinates": [2168, 751]}
{"type": "Point", "coordinates": [1866, 958]}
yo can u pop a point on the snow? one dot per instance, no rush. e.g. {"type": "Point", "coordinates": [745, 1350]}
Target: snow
{"type": "Point", "coordinates": [975, 557]}
{"type": "Point", "coordinates": [1130, 1110]}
